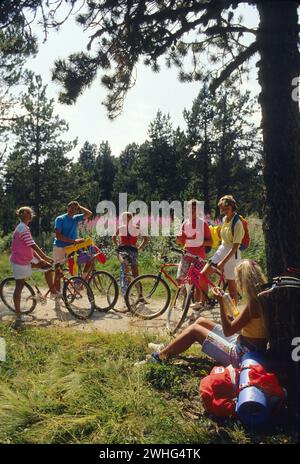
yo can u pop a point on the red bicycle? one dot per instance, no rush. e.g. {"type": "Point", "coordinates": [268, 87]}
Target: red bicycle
{"type": "Point", "coordinates": [178, 310]}
{"type": "Point", "coordinates": [157, 293]}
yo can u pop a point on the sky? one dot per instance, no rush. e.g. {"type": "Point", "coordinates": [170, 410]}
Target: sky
{"type": "Point", "coordinates": [88, 119]}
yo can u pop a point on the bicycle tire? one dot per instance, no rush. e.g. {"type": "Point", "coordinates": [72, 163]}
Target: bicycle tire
{"type": "Point", "coordinates": [98, 289]}
{"type": "Point", "coordinates": [6, 300]}
{"type": "Point", "coordinates": [75, 286]}
{"type": "Point", "coordinates": [177, 312]}
{"type": "Point", "coordinates": [139, 310]}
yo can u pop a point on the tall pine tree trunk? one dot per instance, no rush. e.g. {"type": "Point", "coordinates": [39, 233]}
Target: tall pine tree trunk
{"type": "Point", "coordinates": [206, 170]}
{"type": "Point", "coordinates": [278, 66]}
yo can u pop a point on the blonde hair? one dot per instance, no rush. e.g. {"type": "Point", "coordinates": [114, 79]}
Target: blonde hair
{"type": "Point", "coordinates": [249, 278]}
{"type": "Point", "coordinates": [125, 215]}
{"type": "Point", "coordinates": [228, 200]}
{"type": "Point", "coordinates": [24, 209]}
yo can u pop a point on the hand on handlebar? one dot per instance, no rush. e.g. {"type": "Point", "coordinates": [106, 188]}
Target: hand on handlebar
{"type": "Point", "coordinates": [78, 240]}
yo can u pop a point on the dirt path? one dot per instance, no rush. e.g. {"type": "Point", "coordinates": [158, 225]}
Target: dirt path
{"type": "Point", "coordinates": [56, 315]}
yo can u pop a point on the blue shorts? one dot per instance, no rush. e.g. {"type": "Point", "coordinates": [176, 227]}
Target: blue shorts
{"type": "Point", "coordinates": [132, 253]}
{"type": "Point", "coordinates": [225, 350]}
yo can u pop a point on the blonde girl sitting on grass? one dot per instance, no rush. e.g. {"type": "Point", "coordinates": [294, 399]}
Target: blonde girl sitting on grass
{"type": "Point", "coordinates": [229, 341]}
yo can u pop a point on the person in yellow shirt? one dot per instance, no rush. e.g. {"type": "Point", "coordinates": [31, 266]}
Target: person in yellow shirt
{"type": "Point", "coordinates": [229, 341]}
{"type": "Point", "coordinates": [228, 255]}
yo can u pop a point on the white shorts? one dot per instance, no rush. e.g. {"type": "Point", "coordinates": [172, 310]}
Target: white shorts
{"type": "Point", "coordinates": [229, 267]}
{"type": "Point", "coordinates": [59, 255]}
{"type": "Point", "coordinates": [21, 271]}
{"type": "Point", "coordinates": [24, 271]}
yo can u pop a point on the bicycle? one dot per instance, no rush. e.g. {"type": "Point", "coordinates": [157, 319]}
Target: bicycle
{"type": "Point", "coordinates": [77, 295]}
{"type": "Point", "coordinates": [178, 311]}
{"type": "Point", "coordinates": [102, 283]}
{"type": "Point", "coordinates": [124, 278]}
{"type": "Point", "coordinates": [158, 293]}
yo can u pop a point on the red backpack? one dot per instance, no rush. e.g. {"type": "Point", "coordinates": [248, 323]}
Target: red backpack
{"type": "Point", "coordinates": [219, 391]}
{"type": "Point", "coordinates": [246, 239]}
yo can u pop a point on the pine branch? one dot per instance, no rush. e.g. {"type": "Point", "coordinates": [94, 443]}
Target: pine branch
{"type": "Point", "coordinates": [223, 30]}
{"type": "Point", "coordinates": [233, 65]}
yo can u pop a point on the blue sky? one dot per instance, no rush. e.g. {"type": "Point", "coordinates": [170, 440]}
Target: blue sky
{"type": "Point", "coordinates": [88, 119]}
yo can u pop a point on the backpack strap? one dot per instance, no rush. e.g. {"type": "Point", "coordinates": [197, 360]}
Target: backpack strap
{"type": "Point", "coordinates": [236, 217]}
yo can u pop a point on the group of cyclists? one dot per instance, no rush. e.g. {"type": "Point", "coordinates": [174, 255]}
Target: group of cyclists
{"type": "Point", "coordinates": [225, 342]}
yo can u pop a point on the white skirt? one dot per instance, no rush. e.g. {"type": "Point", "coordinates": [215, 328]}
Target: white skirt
{"type": "Point", "coordinates": [231, 264]}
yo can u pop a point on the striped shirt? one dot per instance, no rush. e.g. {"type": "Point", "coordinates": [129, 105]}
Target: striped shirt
{"type": "Point", "coordinates": [21, 247]}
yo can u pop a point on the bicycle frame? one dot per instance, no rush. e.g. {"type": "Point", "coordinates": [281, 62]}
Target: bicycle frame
{"type": "Point", "coordinates": [43, 298]}
{"type": "Point", "coordinates": [195, 277]}
{"type": "Point", "coordinates": [125, 263]}
{"type": "Point", "coordinates": [170, 278]}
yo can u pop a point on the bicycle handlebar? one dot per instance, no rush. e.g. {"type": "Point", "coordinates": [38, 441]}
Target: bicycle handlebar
{"type": "Point", "coordinates": [278, 283]}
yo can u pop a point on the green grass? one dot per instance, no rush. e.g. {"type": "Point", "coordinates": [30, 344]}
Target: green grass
{"type": "Point", "coordinates": [61, 386]}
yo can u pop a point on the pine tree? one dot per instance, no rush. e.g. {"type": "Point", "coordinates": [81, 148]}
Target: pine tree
{"type": "Point", "coordinates": [37, 165]}
{"type": "Point", "coordinates": [105, 169]}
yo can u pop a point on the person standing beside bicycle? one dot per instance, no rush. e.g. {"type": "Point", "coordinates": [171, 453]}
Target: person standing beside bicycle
{"type": "Point", "coordinates": [26, 255]}
{"type": "Point", "coordinates": [66, 233]}
{"type": "Point", "coordinates": [197, 232]}
{"type": "Point", "coordinates": [125, 239]}
{"type": "Point", "coordinates": [228, 254]}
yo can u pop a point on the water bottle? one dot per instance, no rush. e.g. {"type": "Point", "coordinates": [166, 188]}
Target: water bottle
{"type": "Point", "coordinates": [230, 306]}
{"type": "Point", "coordinates": [252, 405]}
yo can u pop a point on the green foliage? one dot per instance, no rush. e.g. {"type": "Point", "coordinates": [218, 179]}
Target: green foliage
{"type": "Point", "coordinates": [38, 158]}
{"type": "Point", "coordinates": [61, 386]}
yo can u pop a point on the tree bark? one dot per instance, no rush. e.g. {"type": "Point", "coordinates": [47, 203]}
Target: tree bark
{"type": "Point", "coordinates": [206, 173]}
{"type": "Point", "coordinates": [278, 66]}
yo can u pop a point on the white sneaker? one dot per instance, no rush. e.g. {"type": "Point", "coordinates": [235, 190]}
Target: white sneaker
{"type": "Point", "coordinates": [25, 318]}
{"type": "Point", "coordinates": [156, 346]}
{"type": "Point", "coordinates": [150, 359]}
{"type": "Point", "coordinates": [56, 296]}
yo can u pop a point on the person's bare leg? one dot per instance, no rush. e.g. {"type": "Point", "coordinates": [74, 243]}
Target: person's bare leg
{"type": "Point", "coordinates": [135, 273]}
{"type": "Point", "coordinates": [17, 296]}
{"type": "Point", "coordinates": [49, 280]}
{"type": "Point", "coordinates": [57, 278]}
{"type": "Point", "coordinates": [194, 333]}
{"type": "Point", "coordinates": [207, 323]}
{"type": "Point", "coordinates": [233, 290]}
{"type": "Point", "coordinates": [87, 269]}
{"type": "Point", "coordinates": [206, 272]}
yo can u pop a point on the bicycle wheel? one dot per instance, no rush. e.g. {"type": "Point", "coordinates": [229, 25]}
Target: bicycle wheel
{"type": "Point", "coordinates": [148, 296]}
{"type": "Point", "coordinates": [178, 310]}
{"type": "Point", "coordinates": [105, 289]}
{"type": "Point", "coordinates": [78, 298]}
{"type": "Point", "coordinates": [7, 288]}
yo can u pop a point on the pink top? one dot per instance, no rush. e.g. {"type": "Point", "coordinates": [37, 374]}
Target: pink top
{"type": "Point", "coordinates": [189, 234]}
{"type": "Point", "coordinates": [21, 247]}
{"type": "Point", "coordinates": [126, 238]}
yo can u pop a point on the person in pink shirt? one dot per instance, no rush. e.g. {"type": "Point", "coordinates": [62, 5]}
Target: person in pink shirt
{"type": "Point", "coordinates": [25, 256]}
{"type": "Point", "coordinates": [195, 237]}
